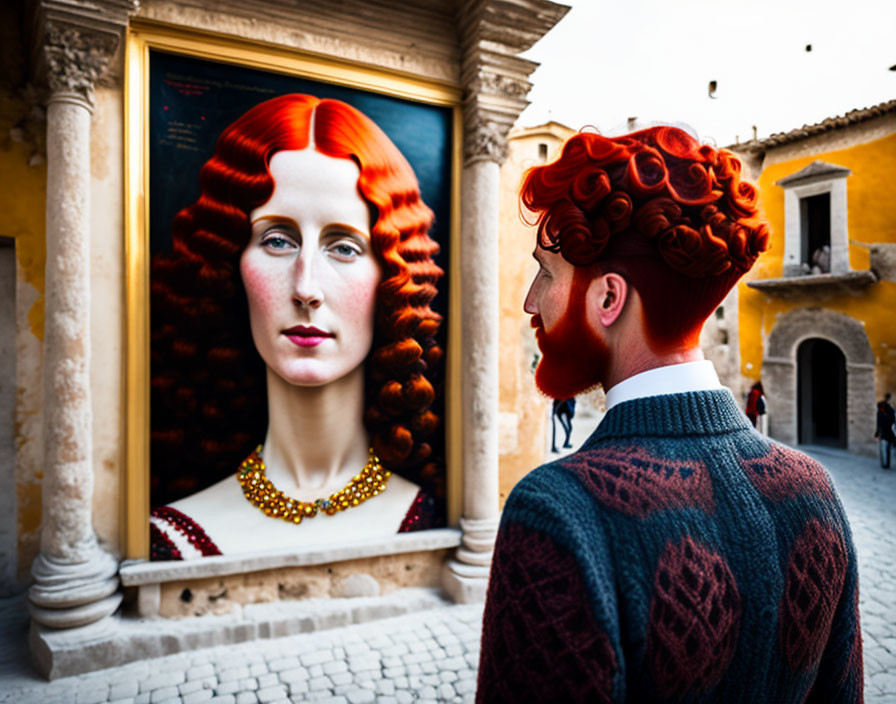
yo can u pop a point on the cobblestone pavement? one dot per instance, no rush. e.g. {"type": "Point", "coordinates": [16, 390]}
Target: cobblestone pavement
{"type": "Point", "coordinates": [429, 656]}
{"type": "Point", "coordinates": [868, 494]}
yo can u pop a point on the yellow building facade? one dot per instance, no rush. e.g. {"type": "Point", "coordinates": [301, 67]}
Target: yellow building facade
{"type": "Point", "coordinates": [817, 314]}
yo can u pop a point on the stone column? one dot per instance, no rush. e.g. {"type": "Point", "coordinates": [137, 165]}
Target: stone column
{"type": "Point", "coordinates": [75, 581]}
{"type": "Point", "coordinates": [495, 88]}
{"type": "Point", "coordinates": [468, 574]}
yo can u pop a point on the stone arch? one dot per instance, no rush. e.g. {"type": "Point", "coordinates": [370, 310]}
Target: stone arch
{"type": "Point", "coordinates": [779, 373]}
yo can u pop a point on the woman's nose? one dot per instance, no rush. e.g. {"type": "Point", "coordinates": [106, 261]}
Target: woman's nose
{"type": "Point", "coordinates": [307, 290]}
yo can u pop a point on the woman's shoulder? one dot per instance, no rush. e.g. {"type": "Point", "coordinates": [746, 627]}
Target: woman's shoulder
{"type": "Point", "coordinates": [180, 530]}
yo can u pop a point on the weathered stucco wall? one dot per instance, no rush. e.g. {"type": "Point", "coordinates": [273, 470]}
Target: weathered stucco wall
{"type": "Point", "coordinates": [22, 201]}
{"type": "Point", "coordinates": [8, 523]}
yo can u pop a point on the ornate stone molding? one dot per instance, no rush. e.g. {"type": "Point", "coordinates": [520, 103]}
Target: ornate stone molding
{"type": "Point", "coordinates": [495, 79]}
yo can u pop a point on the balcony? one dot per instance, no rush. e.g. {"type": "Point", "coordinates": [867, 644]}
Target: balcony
{"type": "Point", "coordinates": [853, 283]}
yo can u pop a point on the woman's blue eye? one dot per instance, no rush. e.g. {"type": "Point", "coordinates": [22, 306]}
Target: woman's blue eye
{"type": "Point", "coordinates": [344, 250]}
{"type": "Point", "coordinates": [275, 241]}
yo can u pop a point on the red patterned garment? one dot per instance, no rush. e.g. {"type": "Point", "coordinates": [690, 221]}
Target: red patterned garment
{"type": "Point", "coordinates": [679, 556]}
{"type": "Point", "coordinates": [173, 535]}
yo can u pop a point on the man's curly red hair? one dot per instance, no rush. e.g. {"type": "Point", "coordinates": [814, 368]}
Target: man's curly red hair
{"type": "Point", "coordinates": [208, 382]}
{"type": "Point", "coordinates": [668, 213]}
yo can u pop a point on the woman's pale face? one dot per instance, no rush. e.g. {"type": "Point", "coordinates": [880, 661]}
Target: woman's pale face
{"type": "Point", "coordinates": [309, 272]}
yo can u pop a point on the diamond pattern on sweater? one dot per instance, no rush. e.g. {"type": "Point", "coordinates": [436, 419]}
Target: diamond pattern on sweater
{"type": "Point", "coordinates": [783, 473]}
{"type": "Point", "coordinates": [815, 576]}
{"type": "Point", "coordinates": [634, 482]}
{"type": "Point", "coordinates": [694, 619]}
{"type": "Point", "coordinates": [538, 619]}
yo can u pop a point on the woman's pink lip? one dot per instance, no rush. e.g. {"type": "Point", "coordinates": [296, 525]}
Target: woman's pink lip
{"type": "Point", "coordinates": [307, 340]}
{"type": "Point", "coordinates": [306, 335]}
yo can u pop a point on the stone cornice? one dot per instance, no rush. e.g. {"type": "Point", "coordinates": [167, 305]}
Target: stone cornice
{"type": "Point", "coordinates": [495, 80]}
{"type": "Point", "coordinates": [74, 41]}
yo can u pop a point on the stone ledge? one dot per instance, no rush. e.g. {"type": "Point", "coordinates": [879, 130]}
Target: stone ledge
{"type": "Point", "coordinates": [119, 640]}
{"type": "Point", "coordinates": [139, 572]}
{"type": "Point", "coordinates": [853, 283]}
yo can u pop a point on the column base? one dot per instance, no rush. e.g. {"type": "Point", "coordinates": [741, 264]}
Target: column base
{"type": "Point", "coordinates": [74, 594]}
{"type": "Point", "coordinates": [465, 578]}
{"type": "Point", "coordinates": [465, 584]}
{"type": "Point", "coordinates": [77, 616]}
{"type": "Point", "coordinates": [71, 651]}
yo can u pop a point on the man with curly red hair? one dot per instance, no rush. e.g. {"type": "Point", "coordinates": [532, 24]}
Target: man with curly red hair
{"type": "Point", "coordinates": [678, 555]}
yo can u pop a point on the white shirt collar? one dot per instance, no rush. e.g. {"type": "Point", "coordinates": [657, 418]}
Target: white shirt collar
{"type": "Point", "coordinates": [671, 379]}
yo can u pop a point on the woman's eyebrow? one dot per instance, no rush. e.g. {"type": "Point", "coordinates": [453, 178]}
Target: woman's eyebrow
{"type": "Point", "coordinates": [340, 228]}
{"type": "Point", "coordinates": [274, 219]}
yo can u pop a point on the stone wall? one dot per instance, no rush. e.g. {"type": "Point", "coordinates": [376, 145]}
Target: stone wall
{"type": "Point", "coordinates": [370, 576]}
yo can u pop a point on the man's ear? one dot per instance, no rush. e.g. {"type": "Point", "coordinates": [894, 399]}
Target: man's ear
{"type": "Point", "coordinates": [607, 296]}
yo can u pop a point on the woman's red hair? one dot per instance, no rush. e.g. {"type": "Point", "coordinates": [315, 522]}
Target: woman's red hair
{"type": "Point", "coordinates": [208, 382]}
{"type": "Point", "coordinates": [670, 214]}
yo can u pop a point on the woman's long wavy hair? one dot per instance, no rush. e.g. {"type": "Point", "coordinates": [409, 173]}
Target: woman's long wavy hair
{"type": "Point", "coordinates": [671, 215]}
{"type": "Point", "coordinates": [209, 405]}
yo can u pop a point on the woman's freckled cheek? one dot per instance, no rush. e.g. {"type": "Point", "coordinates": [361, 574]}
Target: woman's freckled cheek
{"type": "Point", "coordinates": [259, 282]}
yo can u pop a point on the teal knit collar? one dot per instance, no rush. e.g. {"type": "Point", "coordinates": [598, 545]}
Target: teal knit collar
{"type": "Point", "coordinates": [673, 415]}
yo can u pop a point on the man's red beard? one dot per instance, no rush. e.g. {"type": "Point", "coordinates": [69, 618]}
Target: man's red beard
{"type": "Point", "coordinates": [573, 358]}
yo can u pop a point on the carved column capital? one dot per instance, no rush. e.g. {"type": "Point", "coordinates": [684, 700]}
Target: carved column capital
{"type": "Point", "coordinates": [484, 139]}
{"type": "Point", "coordinates": [76, 60]}
{"type": "Point", "coordinates": [75, 43]}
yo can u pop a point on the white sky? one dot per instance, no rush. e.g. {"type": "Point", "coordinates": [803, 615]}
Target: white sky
{"type": "Point", "coordinates": [609, 60]}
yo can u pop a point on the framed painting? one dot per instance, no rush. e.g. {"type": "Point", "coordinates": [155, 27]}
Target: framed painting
{"type": "Point", "coordinates": [291, 226]}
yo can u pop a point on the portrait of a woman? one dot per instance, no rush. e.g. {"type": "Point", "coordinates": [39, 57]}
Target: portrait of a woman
{"type": "Point", "coordinates": [294, 353]}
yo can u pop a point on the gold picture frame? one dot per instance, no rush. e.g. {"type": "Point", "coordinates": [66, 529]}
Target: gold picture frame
{"type": "Point", "coordinates": [145, 37]}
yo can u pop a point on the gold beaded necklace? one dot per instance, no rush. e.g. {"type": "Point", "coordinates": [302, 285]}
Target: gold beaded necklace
{"type": "Point", "coordinates": [261, 492]}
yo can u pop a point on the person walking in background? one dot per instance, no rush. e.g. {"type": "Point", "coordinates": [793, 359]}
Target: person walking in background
{"type": "Point", "coordinates": [564, 410]}
{"type": "Point", "coordinates": [679, 555]}
{"type": "Point", "coordinates": [755, 403]}
{"type": "Point", "coordinates": [886, 430]}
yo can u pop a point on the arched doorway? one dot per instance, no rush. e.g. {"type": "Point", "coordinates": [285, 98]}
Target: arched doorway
{"type": "Point", "coordinates": [780, 365]}
{"type": "Point", "coordinates": [821, 389]}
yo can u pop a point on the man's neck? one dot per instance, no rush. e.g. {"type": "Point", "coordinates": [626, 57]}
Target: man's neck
{"type": "Point", "coordinates": [629, 362]}
{"type": "Point", "coordinates": [677, 378]}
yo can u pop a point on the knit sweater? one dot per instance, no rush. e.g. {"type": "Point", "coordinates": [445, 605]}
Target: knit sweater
{"type": "Point", "coordinates": [678, 556]}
